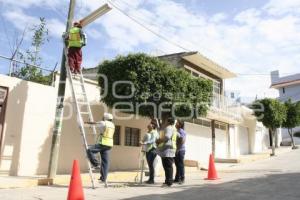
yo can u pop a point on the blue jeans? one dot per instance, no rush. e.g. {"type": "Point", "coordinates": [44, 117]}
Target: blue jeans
{"type": "Point", "coordinates": [104, 153]}
{"type": "Point", "coordinates": [151, 155]}
{"type": "Point", "coordinates": [179, 163]}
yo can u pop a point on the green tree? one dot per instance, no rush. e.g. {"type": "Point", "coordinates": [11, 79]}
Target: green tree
{"type": "Point", "coordinates": [31, 71]}
{"type": "Point", "coordinates": [156, 84]}
{"type": "Point", "coordinates": [272, 113]}
{"type": "Point", "coordinates": [292, 119]}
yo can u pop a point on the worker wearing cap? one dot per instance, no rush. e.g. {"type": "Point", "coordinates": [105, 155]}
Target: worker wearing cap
{"type": "Point", "coordinates": [104, 145]}
{"type": "Point", "coordinates": [75, 39]}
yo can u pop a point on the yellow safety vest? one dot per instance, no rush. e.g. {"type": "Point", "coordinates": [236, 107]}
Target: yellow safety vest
{"type": "Point", "coordinates": [153, 134]}
{"type": "Point", "coordinates": [74, 37]}
{"type": "Point", "coordinates": [107, 138]}
{"type": "Point", "coordinates": [173, 138]}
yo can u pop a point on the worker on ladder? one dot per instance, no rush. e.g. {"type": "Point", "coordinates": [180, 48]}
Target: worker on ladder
{"type": "Point", "coordinates": [103, 146]}
{"type": "Point", "coordinates": [75, 40]}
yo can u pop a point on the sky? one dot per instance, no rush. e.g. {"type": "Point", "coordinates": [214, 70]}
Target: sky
{"type": "Point", "coordinates": [248, 37]}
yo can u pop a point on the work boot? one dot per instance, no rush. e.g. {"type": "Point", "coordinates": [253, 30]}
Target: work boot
{"type": "Point", "coordinates": [166, 185]}
{"type": "Point", "coordinates": [175, 181]}
{"type": "Point", "coordinates": [149, 182]}
{"type": "Point", "coordinates": [181, 182]}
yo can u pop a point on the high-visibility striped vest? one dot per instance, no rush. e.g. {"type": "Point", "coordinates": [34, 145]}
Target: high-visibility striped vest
{"type": "Point", "coordinates": [74, 37]}
{"type": "Point", "coordinates": [107, 138]}
{"type": "Point", "coordinates": [173, 138]}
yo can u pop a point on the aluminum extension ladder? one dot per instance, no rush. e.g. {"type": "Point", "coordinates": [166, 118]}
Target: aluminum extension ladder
{"type": "Point", "coordinates": [81, 101]}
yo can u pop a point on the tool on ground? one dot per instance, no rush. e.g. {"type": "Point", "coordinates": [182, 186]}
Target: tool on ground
{"type": "Point", "coordinates": [81, 101]}
{"type": "Point", "coordinates": [75, 188]}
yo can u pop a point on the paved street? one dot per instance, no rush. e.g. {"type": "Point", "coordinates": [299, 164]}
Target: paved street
{"type": "Point", "coordinates": [270, 179]}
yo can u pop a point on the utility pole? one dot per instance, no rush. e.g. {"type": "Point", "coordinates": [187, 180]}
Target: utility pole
{"type": "Point", "coordinates": [60, 104]}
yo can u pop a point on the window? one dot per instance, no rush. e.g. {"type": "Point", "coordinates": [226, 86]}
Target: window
{"type": "Point", "coordinates": [283, 90]}
{"type": "Point", "coordinates": [132, 136]}
{"type": "Point", "coordinates": [216, 94]}
{"type": "Point", "coordinates": [203, 122]}
{"type": "Point", "coordinates": [117, 135]}
{"type": "Point", "coordinates": [217, 87]}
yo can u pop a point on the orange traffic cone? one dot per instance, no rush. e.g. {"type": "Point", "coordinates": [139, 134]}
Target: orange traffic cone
{"type": "Point", "coordinates": [75, 187]}
{"type": "Point", "coordinates": [212, 172]}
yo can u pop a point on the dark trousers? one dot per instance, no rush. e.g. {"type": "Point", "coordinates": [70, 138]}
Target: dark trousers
{"type": "Point", "coordinates": [104, 153]}
{"type": "Point", "coordinates": [179, 162]}
{"type": "Point", "coordinates": [74, 58]}
{"type": "Point", "coordinates": [167, 163]}
{"type": "Point", "coordinates": [151, 155]}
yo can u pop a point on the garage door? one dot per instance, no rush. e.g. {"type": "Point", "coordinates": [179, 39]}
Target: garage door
{"type": "Point", "coordinates": [198, 142]}
{"type": "Point", "coordinates": [221, 144]}
{"type": "Point", "coordinates": [243, 140]}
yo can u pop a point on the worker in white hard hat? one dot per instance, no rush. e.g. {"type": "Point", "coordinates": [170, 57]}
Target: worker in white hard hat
{"type": "Point", "coordinates": [104, 144]}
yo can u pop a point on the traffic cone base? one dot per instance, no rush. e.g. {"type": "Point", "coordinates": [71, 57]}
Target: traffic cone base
{"type": "Point", "coordinates": [75, 187]}
{"type": "Point", "coordinates": [212, 172]}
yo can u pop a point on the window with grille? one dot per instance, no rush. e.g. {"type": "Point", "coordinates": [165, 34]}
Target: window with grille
{"type": "Point", "coordinates": [132, 136]}
{"type": "Point", "coordinates": [117, 135]}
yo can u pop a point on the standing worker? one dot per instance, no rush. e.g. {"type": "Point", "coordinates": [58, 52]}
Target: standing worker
{"type": "Point", "coordinates": [180, 153]}
{"type": "Point", "coordinates": [104, 145]}
{"type": "Point", "coordinates": [75, 39]}
{"type": "Point", "coordinates": [166, 149]}
{"type": "Point", "coordinates": [149, 142]}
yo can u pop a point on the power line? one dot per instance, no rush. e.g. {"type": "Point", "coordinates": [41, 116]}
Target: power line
{"type": "Point", "coordinates": [145, 27]}
{"type": "Point", "coordinates": [115, 4]}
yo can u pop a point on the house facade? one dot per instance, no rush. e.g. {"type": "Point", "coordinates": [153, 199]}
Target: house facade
{"type": "Point", "coordinates": [288, 88]}
{"type": "Point", "coordinates": [229, 130]}
{"type": "Point", "coordinates": [28, 110]}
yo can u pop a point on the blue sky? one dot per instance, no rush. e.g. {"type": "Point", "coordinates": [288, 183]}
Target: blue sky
{"type": "Point", "coordinates": [249, 37]}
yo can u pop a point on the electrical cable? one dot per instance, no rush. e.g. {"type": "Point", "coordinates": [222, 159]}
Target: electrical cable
{"type": "Point", "coordinates": [165, 38]}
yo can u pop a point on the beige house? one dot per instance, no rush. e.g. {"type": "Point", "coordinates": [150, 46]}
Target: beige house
{"type": "Point", "coordinates": [28, 110]}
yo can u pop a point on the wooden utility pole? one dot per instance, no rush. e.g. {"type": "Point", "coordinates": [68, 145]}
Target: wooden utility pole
{"type": "Point", "coordinates": [60, 104]}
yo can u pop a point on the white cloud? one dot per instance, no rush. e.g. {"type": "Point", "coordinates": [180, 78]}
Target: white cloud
{"type": "Point", "coordinates": [31, 3]}
{"type": "Point", "coordinates": [219, 17]}
{"type": "Point", "coordinates": [257, 41]}
{"type": "Point", "coordinates": [22, 20]}
{"type": "Point", "coordinates": [56, 27]}
{"type": "Point", "coordinates": [279, 7]}
{"type": "Point", "coordinates": [19, 19]}
{"type": "Point", "coordinates": [249, 17]}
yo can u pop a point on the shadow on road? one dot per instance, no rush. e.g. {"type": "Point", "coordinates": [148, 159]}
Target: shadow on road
{"type": "Point", "coordinates": [271, 186]}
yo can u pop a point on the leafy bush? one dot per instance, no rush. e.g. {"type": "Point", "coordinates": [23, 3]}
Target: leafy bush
{"type": "Point", "coordinates": [155, 82]}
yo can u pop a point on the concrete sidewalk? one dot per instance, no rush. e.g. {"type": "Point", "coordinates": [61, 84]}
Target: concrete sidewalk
{"type": "Point", "coordinates": [129, 177]}
{"type": "Point", "coordinates": [243, 159]}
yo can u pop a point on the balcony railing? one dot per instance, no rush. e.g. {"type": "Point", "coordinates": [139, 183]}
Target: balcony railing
{"type": "Point", "coordinates": [225, 107]}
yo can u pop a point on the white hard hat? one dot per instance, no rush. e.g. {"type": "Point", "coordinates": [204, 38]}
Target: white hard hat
{"type": "Point", "coordinates": [107, 116]}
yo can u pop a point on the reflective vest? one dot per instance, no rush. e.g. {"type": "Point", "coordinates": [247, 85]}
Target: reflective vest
{"type": "Point", "coordinates": [173, 139]}
{"type": "Point", "coordinates": [107, 138]}
{"type": "Point", "coordinates": [153, 135]}
{"type": "Point", "coordinates": [74, 37]}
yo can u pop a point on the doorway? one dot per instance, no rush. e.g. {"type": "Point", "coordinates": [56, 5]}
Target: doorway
{"type": "Point", "coordinates": [3, 103]}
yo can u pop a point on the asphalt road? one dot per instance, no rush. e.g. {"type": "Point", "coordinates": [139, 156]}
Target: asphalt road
{"type": "Point", "coordinates": [270, 179]}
